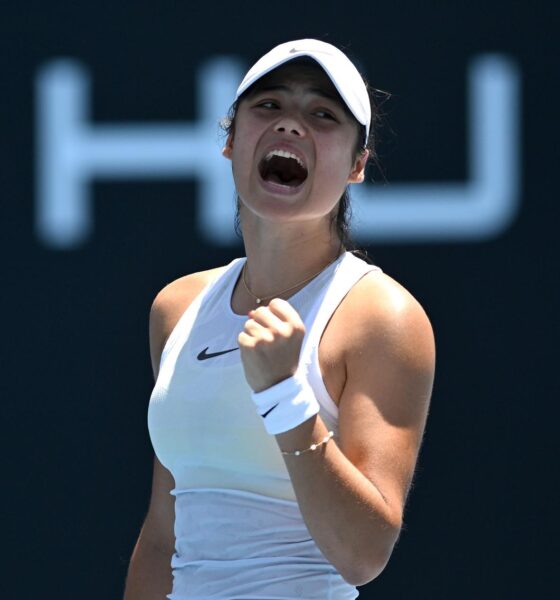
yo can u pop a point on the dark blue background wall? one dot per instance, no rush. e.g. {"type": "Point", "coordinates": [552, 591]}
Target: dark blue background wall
{"type": "Point", "coordinates": [76, 375]}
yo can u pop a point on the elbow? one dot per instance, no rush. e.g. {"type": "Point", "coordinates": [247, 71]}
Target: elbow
{"type": "Point", "coordinates": [370, 562]}
{"type": "Point", "coordinates": [360, 574]}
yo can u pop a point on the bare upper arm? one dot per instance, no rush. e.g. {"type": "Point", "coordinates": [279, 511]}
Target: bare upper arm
{"type": "Point", "coordinates": [390, 362]}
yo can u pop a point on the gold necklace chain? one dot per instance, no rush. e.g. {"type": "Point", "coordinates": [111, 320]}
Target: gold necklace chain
{"type": "Point", "coordinates": [258, 299]}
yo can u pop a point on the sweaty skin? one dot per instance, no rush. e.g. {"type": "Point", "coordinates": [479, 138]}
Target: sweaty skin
{"type": "Point", "coordinates": [377, 353]}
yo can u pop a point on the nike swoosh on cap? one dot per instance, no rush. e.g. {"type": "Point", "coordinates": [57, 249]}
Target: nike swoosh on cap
{"type": "Point", "coordinates": [205, 355]}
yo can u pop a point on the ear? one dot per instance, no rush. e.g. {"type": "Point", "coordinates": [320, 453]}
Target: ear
{"type": "Point", "coordinates": [359, 168]}
{"type": "Point", "coordinates": [228, 148]}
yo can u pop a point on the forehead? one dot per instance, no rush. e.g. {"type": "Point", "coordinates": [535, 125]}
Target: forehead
{"type": "Point", "coordinates": [301, 72]}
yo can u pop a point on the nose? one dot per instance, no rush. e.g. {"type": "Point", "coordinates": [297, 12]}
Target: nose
{"type": "Point", "coordinates": [290, 125]}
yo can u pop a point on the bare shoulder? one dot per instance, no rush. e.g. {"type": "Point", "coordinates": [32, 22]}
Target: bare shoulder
{"type": "Point", "coordinates": [389, 357]}
{"type": "Point", "coordinates": [380, 319]}
{"type": "Point", "coordinates": [170, 303]}
{"type": "Point", "coordinates": [380, 332]}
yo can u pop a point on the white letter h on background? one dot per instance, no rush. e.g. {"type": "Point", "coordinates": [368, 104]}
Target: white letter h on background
{"type": "Point", "coordinates": [71, 152]}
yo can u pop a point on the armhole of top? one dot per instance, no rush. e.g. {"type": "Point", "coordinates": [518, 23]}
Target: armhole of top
{"type": "Point", "coordinates": [326, 313]}
{"type": "Point", "coordinates": [315, 378]}
{"type": "Point", "coordinates": [191, 311]}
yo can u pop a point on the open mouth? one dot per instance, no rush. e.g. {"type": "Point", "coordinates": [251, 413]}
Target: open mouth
{"type": "Point", "coordinates": [284, 168]}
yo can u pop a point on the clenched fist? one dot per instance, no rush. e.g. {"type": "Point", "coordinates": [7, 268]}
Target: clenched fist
{"type": "Point", "coordinates": [270, 344]}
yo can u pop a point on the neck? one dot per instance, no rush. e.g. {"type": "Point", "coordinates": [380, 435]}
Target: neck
{"type": "Point", "coordinates": [283, 255]}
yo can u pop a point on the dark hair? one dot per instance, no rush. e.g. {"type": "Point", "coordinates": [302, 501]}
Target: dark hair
{"type": "Point", "coordinates": [340, 220]}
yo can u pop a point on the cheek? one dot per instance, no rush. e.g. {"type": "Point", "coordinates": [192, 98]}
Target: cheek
{"type": "Point", "coordinates": [242, 165]}
{"type": "Point", "coordinates": [336, 162]}
{"type": "Point", "coordinates": [245, 139]}
{"type": "Point", "coordinates": [239, 153]}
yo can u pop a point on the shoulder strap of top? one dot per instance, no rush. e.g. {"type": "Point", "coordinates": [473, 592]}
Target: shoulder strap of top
{"type": "Point", "coordinates": [348, 272]}
{"type": "Point", "coordinates": [184, 324]}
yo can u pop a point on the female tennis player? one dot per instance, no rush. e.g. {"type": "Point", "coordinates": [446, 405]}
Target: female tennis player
{"type": "Point", "coordinates": [292, 386]}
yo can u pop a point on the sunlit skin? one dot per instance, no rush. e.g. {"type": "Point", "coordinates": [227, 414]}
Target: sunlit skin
{"type": "Point", "coordinates": [295, 108]}
{"type": "Point", "coordinates": [287, 233]}
{"type": "Point", "coordinates": [376, 354]}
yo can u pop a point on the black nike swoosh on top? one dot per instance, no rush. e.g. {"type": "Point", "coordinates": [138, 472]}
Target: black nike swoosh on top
{"type": "Point", "coordinates": [269, 410]}
{"type": "Point", "coordinates": [204, 355]}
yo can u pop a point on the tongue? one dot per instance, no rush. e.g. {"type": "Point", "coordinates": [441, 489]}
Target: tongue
{"type": "Point", "coordinates": [285, 171]}
{"type": "Point", "coordinates": [280, 178]}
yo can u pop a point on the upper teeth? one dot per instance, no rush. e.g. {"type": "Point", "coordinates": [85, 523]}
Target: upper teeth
{"type": "Point", "coordinates": [285, 154]}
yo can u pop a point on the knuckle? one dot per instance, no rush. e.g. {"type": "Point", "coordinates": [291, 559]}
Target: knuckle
{"type": "Point", "coordinates": [266, 339]}
{"type": "Point", "coordinates": [299, 328]}
{"type": "Point", "coordinates": [287, 330]}
{"type": "Point", "coordinates": [278, 304]}
{"type": "Point", "coordinates": [245, 341]}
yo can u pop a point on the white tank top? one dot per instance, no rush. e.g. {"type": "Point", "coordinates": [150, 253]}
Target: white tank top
{"type": "Point", "coordinates": [239, 532]}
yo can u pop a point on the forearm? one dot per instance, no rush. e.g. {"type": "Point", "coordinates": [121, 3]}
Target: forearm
{"type": "Point", "coordinates": [347, 515]}
{"type": "Point", "coordinates": [149, 574]}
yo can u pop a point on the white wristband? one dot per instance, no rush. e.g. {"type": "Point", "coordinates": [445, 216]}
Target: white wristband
{"type": "Point", "coordinates": [286, 405]}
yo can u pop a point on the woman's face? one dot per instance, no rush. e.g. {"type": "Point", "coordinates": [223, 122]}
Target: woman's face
{"type": "Point", "coordinates": [293, 146]}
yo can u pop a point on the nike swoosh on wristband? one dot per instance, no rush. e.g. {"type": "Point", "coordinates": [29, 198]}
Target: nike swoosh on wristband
{"type": "Point", "coordinates": [269, 410]}
{"type": "Point", "coordinates": [205, 355]}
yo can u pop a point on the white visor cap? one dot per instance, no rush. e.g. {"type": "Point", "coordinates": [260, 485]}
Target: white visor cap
{"type": "Point", "coordinates": [340, 69]}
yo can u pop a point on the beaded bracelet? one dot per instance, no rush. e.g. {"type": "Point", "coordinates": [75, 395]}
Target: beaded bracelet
{"type": "Point", "coordinates": [311, 448]}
